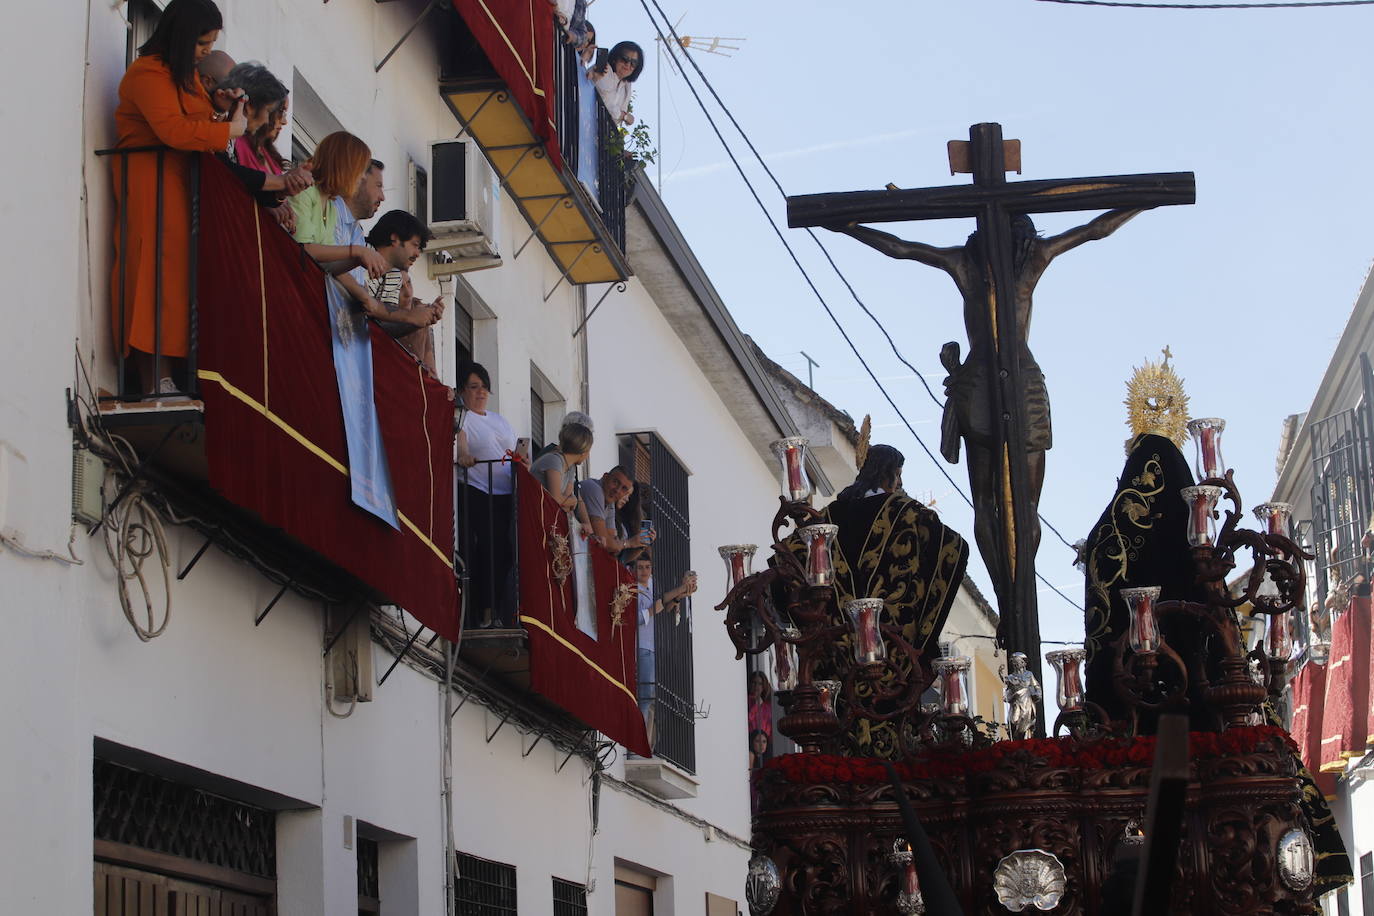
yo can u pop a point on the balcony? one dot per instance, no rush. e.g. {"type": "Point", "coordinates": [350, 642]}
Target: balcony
{"type": "Point", "coordinates": [255, 436]}
{"type": "Point", "coordinates": [519, 93]}
{"type": "Point", "coordinates": [350, 500]}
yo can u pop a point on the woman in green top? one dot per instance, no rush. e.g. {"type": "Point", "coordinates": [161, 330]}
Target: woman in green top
{"type": "Point", "coordinates": [338, 165]}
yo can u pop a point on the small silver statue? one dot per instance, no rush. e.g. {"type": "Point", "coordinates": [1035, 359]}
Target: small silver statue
{"type": "Point", "coordinates": [1021, 690]}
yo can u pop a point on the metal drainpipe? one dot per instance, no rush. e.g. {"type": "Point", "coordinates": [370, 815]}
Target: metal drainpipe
{"type": "Point", "coordinates": [446, 784]}
{"type": "Point", "coordinates": [583, 353]}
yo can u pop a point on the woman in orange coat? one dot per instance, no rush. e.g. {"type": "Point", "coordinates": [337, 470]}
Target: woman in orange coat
{"type": "Point", "coordinates": [162, 103]}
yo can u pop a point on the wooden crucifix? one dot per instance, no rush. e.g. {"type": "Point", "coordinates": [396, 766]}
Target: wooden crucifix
{"type": "Point", "coordinates": [996, 398]}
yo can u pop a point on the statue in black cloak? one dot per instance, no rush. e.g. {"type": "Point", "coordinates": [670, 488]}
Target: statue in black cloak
{"type": "Point", "coordinates": [893, 547]}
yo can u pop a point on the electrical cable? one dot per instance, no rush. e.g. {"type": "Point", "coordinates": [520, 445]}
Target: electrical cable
{"type": "Point", "coordinates": [805, 275]}
{"type": "Point", "coordinates": [1295, 4]}
{"type": "Point", "coordinates": [133, 534]}
{"type": "Point", "coordinates": [329, 693]}
{"type": "Point", "coordinates": [814, 237]}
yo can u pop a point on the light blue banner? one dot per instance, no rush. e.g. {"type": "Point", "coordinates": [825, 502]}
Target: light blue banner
{"type": "Point", "coordinates": [367, 466]}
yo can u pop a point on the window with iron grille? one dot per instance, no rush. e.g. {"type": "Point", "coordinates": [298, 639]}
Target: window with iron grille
{"type": "Point", "coordinates": [662, 482]}
{"type": "Point", "coordinates": [569, 898]}
{"type": "Point", "coordinates": [139, 809]}
{"type": "Point", "coordinates": [1341, 497]}
{"type": "Point", "coordinates": [1367, 883]}
{"type": "Point", "coordinates": [369, 877]}
{"type": "Point", "coordinates": [483, 888]}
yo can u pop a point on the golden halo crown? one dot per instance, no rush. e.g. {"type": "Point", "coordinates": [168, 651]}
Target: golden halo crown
{"type": "Point", "coordinates": [1156, 402]}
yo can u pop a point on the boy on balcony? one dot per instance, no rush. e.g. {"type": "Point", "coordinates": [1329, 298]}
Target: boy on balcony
{"type": "Point", "coordinates": [399, 238]}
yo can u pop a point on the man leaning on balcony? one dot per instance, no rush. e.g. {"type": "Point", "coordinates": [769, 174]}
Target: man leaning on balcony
{"type": "Point", "coordinates": [599, 501]}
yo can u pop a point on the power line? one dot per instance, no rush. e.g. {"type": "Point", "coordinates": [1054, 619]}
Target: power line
{"type": "Point", "coordinates": [797, 261]}
{"type": "Point", "coordinates": [1296, 4]}
{"type": "Point", "coordinates": [819, 244]}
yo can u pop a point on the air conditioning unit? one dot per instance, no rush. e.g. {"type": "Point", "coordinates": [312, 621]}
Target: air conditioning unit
{"type": "Point", "coordinates": [462, 206]}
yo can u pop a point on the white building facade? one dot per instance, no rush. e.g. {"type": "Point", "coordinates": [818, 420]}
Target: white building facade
{"type": "Point", "coordinates": [1324, 471]}
{"type": "Point", "coordinates": [232, 732]}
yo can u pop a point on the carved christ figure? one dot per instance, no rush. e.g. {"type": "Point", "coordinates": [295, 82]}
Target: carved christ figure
{"type": "Point", "coordinates": [968, 387]}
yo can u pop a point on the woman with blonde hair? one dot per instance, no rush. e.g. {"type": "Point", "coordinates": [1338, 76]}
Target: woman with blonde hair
{"type": "Point", "coordinates": [338, 165]}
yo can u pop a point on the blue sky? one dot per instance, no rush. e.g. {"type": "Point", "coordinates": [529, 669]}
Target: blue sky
{"type": "Point", "coordinates": [1250, 288]}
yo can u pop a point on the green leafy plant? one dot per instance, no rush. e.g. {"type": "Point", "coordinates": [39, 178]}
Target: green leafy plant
{"type": "Point", "coordinates": [631, 145]}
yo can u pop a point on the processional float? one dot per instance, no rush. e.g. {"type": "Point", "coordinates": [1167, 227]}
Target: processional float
{"type": "Point", "coordinates": [947, 814]}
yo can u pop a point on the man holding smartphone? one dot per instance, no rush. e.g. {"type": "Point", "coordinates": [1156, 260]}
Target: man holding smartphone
{"type": "Point", "coordinates": [599, 499]}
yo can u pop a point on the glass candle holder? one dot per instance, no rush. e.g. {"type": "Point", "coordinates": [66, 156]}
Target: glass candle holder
{"type": "Point", "coordinates": [826, 692]}
{"type": "Point", "coordinates": [785, 660]}
{"type": "Point", "coordinates": [1144, 625]}
{"type": "Point", "coordinates": [791, 453]}
{"type": "Point", "coordinates": [1206, 432]}
{"type": "Point", "coordinates": [951, 674]}
{"type": "Point", "coordinates": [1202, 506]}
{"type": "Point", "coordinates": [865, 619]}
{"type": "Point", "coordinates": [739, 561]}
{"type": "Point", "coordinates": [909, 900]}
{"type": "Point", "coordinates": [1068, 670]}
{"type": "Point", "coordinates": [1278, 640]}
{"type": "Point", "coordinates": [820, 569]}
{"type": "Point", "coordinates": [1277, 518]}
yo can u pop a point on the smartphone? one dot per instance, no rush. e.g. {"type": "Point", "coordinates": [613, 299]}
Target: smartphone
{"type": "Point", "coordinates": [522, 447]}
{"type": "Point", "coordinates": [646, 526]}
{"type": "Point", "coordinates": [603, 57]}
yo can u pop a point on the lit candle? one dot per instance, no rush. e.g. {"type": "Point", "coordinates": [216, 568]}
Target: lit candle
{"type": "Point", "coordinates": [1207, 431]}
{"type": "Point", "coordinates": [1068, 670]}
{"type": "Point", "coordinates": [1202, 503]}
{"type": "Point", "coordinates": [865, 620]}
{"type": "Point", "coordinates": [820, 570]}
{"type": "Point", "coordinates": [953, 675]}
{"type": "Point", "coordinates": [1277, 518]}
{"type": "Point", "coordinates": [791, 455]}
{"type": "Point", "coordinates": [909, 900]}
{"type": "Point", "coordinates": [738, 561]}
{"type": "Point", "coordinates": [1144, 625]}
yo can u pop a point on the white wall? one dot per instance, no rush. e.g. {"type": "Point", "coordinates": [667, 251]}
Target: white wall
{"type": "Point", "coordinates": [644, 379]}
{"type": "Point", "coordinates": [216, 693]}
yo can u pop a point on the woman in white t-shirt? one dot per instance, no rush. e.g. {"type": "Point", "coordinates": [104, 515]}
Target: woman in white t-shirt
{"type": "Point", "coordinates": [615, 82]}
{"type": "Point", "coordinates": [487, 515]}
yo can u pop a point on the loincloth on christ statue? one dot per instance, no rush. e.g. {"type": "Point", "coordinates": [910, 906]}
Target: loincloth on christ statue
{"type": "Point", "coordinates": [968, 403]}
{"type": "Point", "coordinates": [892, 547]}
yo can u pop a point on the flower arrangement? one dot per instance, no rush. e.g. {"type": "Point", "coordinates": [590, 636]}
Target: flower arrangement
{"type": "Point", "coordinates": [1057, 753]}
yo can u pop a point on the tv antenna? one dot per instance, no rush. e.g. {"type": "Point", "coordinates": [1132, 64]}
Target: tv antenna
{"type": "Point", "coordinates": [715, 44]}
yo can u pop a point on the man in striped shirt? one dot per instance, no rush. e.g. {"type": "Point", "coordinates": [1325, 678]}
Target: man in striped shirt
{"type": "Point", "coordinates": [400, 238]}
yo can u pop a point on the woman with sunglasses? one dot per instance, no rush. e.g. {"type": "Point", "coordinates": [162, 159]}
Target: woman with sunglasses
{"type": "Point", "coordinates": [615, 81]}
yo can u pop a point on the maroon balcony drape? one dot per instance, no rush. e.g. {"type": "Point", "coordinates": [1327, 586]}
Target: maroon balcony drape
{"type": "Point", "coordinates": [1309, 694]}
{"type": "Point", "coordinates": [517, 37]}
{"type": "Point", "coordinates": [274, 425]}
{"type": "Point", "coordinates": [1345, 712]}
{"type": "Point", "coordinates": [593, 679]}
